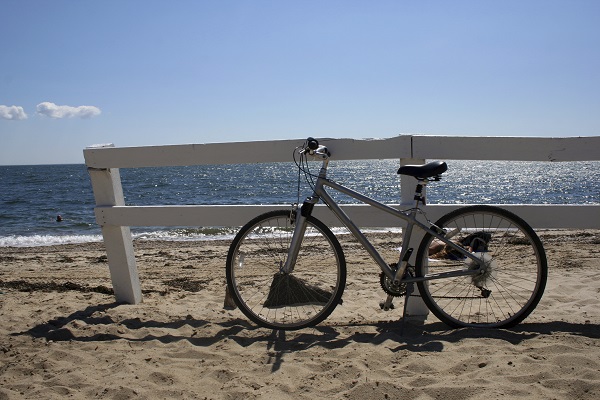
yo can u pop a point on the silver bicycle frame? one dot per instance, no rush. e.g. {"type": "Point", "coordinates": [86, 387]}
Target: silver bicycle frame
{"type": "Point", "coordinates": [408, 216]}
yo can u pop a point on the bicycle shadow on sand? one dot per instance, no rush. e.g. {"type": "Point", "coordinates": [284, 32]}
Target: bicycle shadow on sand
{"type": "Point", "coordinates": [431, 337]}
{"type": "Point", "coordinates": [413, 335]}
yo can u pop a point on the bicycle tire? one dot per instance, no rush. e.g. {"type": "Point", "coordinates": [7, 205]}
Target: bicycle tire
{"type": "Point", "coordinates": [510, 288]}
{"type": "Point", "coordinates": [285, 301]}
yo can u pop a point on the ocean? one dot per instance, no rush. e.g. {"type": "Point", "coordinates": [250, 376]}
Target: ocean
{"type": "Point", "coordinates": [31, 197]}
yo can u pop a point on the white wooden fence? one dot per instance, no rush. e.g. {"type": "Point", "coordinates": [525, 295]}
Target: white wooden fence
{"type": "Point", "coordinates": [104, 161]}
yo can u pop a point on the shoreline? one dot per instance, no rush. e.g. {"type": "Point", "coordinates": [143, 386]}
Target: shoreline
{"type": "Point", "coordinates": [194, 235]}
{"type": "Point", "coordinates": [66, 340]}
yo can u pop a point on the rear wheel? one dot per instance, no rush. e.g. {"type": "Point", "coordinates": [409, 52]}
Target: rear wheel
{"type": "Point", "coordinates": [508, 287]}
{"type": "Point", "coordinates": [278, 300]}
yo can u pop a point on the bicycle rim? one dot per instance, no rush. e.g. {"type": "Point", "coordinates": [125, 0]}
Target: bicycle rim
{"type": "Point", "coordinates": [509, 287]}
{"type": "Point", "coordinates": [277, 300]}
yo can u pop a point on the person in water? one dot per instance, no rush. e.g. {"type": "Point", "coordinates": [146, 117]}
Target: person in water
{"type": "Point", "coordinates": [58, 218]}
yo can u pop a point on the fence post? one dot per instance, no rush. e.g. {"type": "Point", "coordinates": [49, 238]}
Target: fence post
{"type": "Point", "coordinates": [106, 184]}
{"type": "Point", "coordinates": [415, 306]}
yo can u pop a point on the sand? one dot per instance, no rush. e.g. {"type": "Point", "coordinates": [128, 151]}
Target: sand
{"type": "Point", "coordinates": [63, 336]}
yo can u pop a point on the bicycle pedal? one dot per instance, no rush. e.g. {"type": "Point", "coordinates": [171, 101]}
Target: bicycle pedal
{"type": "Point", "coordinates": [384, 308]}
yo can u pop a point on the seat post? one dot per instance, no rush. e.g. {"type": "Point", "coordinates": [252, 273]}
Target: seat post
{"type": "Point", "coordinates": [419, 193]}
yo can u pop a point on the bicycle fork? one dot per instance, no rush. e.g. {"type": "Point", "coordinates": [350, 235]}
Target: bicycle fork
{"type": "Point", "coordinates": [301, 217]}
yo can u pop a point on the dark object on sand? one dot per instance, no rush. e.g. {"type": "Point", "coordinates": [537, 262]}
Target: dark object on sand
{"type": "Point", "coordinates": [477, 241]}
{"type": "Point", "coordinates": [287, 290]}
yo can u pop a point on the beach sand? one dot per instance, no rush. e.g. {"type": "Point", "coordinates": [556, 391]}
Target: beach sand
{"type": "Point", "coordinates": [63, 336]}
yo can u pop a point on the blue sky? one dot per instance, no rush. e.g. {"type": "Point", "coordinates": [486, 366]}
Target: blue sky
{"type": "Point", "coordinates": [136, 73]}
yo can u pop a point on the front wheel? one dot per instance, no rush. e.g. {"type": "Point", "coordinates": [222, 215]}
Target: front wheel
{"type": "Point", "coordinates": [265, 293]}
{"type": "Point", "coordinates": [505, 289]}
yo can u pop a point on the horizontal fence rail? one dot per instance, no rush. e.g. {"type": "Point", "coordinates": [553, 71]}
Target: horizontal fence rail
{"type": "Point", "coordinates": [540, 216]}
{"type": "Point", "coordinates": [104, 161]}
{"type": "Point", "coordinates": [416, 147]}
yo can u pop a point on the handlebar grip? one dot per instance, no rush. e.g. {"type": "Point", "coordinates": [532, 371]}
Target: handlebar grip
{"type": "Point", "coordinates": [312, 143]}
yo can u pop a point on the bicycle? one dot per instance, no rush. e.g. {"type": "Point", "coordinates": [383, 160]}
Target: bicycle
{"type": "Point", "coordinates": [477, 266]}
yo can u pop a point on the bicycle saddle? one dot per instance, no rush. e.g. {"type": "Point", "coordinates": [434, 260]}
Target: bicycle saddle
{"type": "Point", "coordinates": [428, 170]}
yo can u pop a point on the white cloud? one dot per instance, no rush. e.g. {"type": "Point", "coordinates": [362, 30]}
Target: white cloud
{"type": "Point", "coordinates": [54, 111]}
{"type": "Point", "coordinates": [12, 112]}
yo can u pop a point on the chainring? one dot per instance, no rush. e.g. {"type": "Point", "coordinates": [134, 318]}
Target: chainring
{"type": "Point", "coordinates": [388, 285]}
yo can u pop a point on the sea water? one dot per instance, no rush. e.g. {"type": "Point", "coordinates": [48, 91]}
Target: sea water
{"type": "Point", "coordinates": [31, 197]}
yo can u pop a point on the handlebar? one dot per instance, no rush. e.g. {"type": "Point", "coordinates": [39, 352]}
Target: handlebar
{"type": "Point", "coordinates": [313, 148]}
